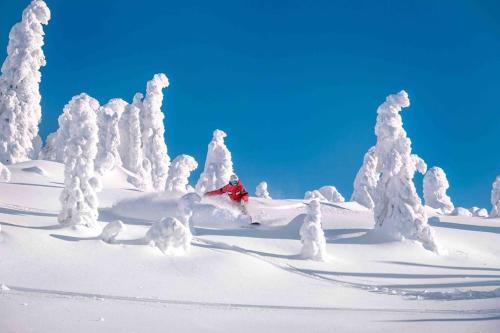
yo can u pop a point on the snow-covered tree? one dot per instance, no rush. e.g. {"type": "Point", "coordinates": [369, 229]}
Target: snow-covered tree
{"type": "Point", "coordinates": [314, 194]}
{"type": "Point", "coordinates": [495, 198]}
{"type": "Point", "coordinates": [331, 194]}
{"type": "Point", "coordinates": [435, 186]}
{"type": "Point", "coordinates": [366, 180]}
{"type": "Point", "coordinates": [399, 213]}
{"type": "Point", "coordinates": [4, 173]}
{"type": "Point", "coordinates": [78, 198]}
{"type": "Point", "coordinates": [311, 233]}
{"type": "Point", "coordinates": [461, 211]}
{"type": "Point", "coordinates": [153, 130]}
{"type": "Point", "coordinates": [108, 117]}
{"type": "Point", "coordinates": [170, 235]}
{"type": "Point", "coordinates": [20, 110]}
{"type": "Point", "coordinates": [179, 172]}
{"type": "Point", "coordinates": [185, 208]}
{"type": "Point", "coordinates": [218, 165]}
{"type": "Point", "coordinates": [56, 142]}
{"type": "Point", "coordinates": [261, 191]}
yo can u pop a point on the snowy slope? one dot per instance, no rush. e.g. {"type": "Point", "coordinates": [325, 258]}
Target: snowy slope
{"type": "Point", "coordinates": [235, 277]}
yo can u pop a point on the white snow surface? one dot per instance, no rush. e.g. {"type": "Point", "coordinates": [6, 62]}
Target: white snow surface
{"type": "Point", "coordinates": [435, 186]}
{"type": "Point", "coordinates": [234, 277]}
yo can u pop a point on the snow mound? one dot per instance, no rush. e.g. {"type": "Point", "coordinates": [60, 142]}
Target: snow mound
{"type": "Point", "coordinates": [111, 231]}
{"type": "Point", "coordinates": [170, 236]}
{"type": "Point", "coordinates": [460, 211]}
{"type": "Point", "coordinates": [479, 212]}
{"type": "Point", "coordinates": [35, 169]}
{"type": "Point", "coordinates": [4, 173]}
{"type": "Point", "coordinates": [3, 287]}
{"type": "Point", "coordinates": [325, 193]}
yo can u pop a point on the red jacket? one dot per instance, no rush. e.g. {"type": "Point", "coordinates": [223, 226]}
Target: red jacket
{"type": "Point", "coordinates": [236, 192]}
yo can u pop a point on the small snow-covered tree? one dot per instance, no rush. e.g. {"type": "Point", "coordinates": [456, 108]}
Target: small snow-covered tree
{"type": "Point", "coordinates": [331, 194]}
{"type": "Point", "coordinates": [495, 198]}
{"type": "Point", "coordinates": [399, 213]}
{"type": "Point", "coordinates": [261, 191]}
{"type": "Point", "coordinates": [78, 198]}
{"type": "Point", "coordinates": [57, 141]}
{"type": "Point", "coordinates": [179, 172]}
{"type": "Point", "coordinates": [185, 208]}
{"type": "Point", "coordinates": [366, 180]}
{"type": "Point", "coordinates": [111, 231]}
{"type": "Point", "coordinates": [435, 186]}
{"type": "Point", "coordinates": [20, 110]}
{"type": "Point", "coordinates": [311, 233]}
{"type": "Point", "coordinates": [218, 165]}
{"type": "Point", "coordinates": [153, 131]}
{"type": "Point", "coordinates": [108, 117]}
{"type": "Point", "coordinates": [170, 235]}
{"type": "Point", "coordinates": [4, 173]}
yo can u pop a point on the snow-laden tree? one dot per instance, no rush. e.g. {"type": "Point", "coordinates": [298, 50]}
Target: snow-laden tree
{"type": "Point", "coordinates": [435, 186]}
{"type": "Point", "coordinates": [153, 130]}
{"type": "Point", "coordinates": [261, 191]}
{"type": "Point", "coordinates": [331, 194]}
{"type": "Point", "coordinates": [20, 110]}
{"type": "Point", "coordinates": [311, 233]}
{"type": "Point", "coordinates": [218, 165]}
{"type": "Point", "coordinates": [56, 142]}
{"type": "Point", "coordinates": [78, 198]}
{"type": "Point", "coordinates": [170, 235]}
{"type": "Point", "coordinates": [366, 180]}
{"type": "Point", "coordinates": [495, 198]}
{"type": "Point", "coordinates": [179, 172]}
{"type": "Point", "coordinates": [185, 208]}
{"type": "Point", "coordinates": [399, 213]}
{"type": "Point", "coordinates": [4, 173]}
{"type": "Point", "coordinates": [108, 117]}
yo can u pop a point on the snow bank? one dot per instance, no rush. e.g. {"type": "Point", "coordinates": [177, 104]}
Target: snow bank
{"type": "Point", "coordinates": [179, 172]}
{"type": "Point", "coordinates": [366, 180]}
{"type": "Point", "coordinates": [170, 235]}
{"type": "Point", "coordinates": [312, 236]}
{"type": "Point", "coordinates": [79, 199]}
{"type": "Point", "coordinates": [218, 165]}
{"type": "Point", "coordinates": [495, 198]}
{"type": "Point", "coordinates": [460, 211]}
{"type": "Point", "coordinates": [435, 186]}
{"type": "Point", "coordinates": [261, 191]}
{"type": "Point", "coordinates": [4, 173]}
{"type": "Point", "coordinates": [20, 110]}
{"type": "Point", "coordinates": [111, 231]}
{"type": "Point", "coordinates": [399, 213]}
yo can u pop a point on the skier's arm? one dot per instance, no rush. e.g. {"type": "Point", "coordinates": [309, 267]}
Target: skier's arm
{"type": "Point", "coordinates": [243, 194]}
{"type": "Point", "coordinates": [219, 191]}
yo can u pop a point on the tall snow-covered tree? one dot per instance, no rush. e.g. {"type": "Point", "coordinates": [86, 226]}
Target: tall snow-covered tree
{"type": "Point", "coordinates": [20, 110]}
{"type": "Point", "coordinates": [179, 172]}
{"type": "Point", "coordinates": [4, 173]}
{"type": "Point", "coordinates": [108, 117]}
{"type": "Point", "coordinates": [261, 191]}
{"type": "Point", "coordinates": [366, 180]}
{"type": "Point", "coordinates": [78, 198]}
{"type": "Point", "coordinates": [218, 165]}
{"type": "Point", "coordinates": [312, 235]}
{"type": "Point", "coordinates": [435, 186]}
{"type": "Point", "coordinates": [495, 198]}
{"type": "Point", "coordinates": [399, 213]}
{"type": "Point", "coordinates": [153, 130]}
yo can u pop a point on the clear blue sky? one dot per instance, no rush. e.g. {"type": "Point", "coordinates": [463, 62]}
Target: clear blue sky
{"type": "Point", "coordinates": [295, 84]}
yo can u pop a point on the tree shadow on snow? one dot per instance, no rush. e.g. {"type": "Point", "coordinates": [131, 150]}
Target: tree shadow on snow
{"type": "Point", "coordinates": [239, 249]}
{"type": "Point", "coordinates": [107, 215]}
{"type": "Point", "coordinates": [10, 211]}
{"type": "Point", "coordinates": [461, 226]}
{"type": "Point", "coordinates": [442, 266]}
{"type": "Point", "coordinates": [48, 227]}
{"type": "Point", "coordinates": [34, 184]}
{"type": "Point", "coordinates": [443, 319]}
{"type": "Point", "coordinates": [136, 241]}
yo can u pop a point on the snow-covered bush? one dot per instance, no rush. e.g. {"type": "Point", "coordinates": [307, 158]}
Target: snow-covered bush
{"type": "Point", "coordinates": [179, 172]}
{"type": "Point", "coordinates": [170, 235]}
{"type": "Point", "coordinates": [331, 194]}
{"type": "Point", "coordinates": [495, 198]}
{"type": "Point", "coordinates": [435, 186]}
{"type": "Point", "coordinates": [153, 131]}
{"type": "Point", "coordinates": [108, 117]}
{"type": "Point", "coordinates": [78, 199]}
{"type": "Point", "coordinates": [261, 191]}
{"type": "Point", "coordinates": [20, 110]}
{"type": "Point", "coordinates": [111, 231]}
{"type": "Point", "coordinates": [218, 165]}
{"type": "Point", "coordinates": [460, 211]}
{"type": "Point", "coordinates": [399, 213]}
{"type": "Point", "coordinates": [366, 180]}
{"type": "Point", "coordinates": [314, 194]}
{"type": "Point", "coordinates": [311, 233]}
{"type": "Point", "coordinates": [4, 173]}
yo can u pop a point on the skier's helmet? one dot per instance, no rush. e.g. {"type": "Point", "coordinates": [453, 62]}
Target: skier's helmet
{"type": "Point", "coordinates": [233, 180]}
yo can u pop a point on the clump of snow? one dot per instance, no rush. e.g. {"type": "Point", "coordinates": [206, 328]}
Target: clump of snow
{"type": "Point", "coordinates": [78, 199]}
{"type": "Point", "coordinates": [4, 173]}
{"type": "Point", "coordinates": [185, 208]}
{"type": "Point", "coordinates": [170, 235]}
{"type": "Point", "coordinates": [460, 211]}
{"type": "Point", "coordinates": [331, 194]}
{"type": "Point", "coordinates": [435, 186]}
{"type": "Point", "coordinates": [366, 180]}
{"type": "Point", "coordinates": [153, 131]}
{"type": "Point", "coordinates": [261, 191]}
{"type": "Point", "coordinates": [314, 194]}
{"type": "Point", "coordinates": [179, 172]}
{"type": "Point", "coordinates": [111, 231]}
{"type": "Point", "coordinates": [479, 212]}
{"type": "Point", "coordinates": [495, 198]}
{"type": "Point", "coordinates": [218, 165]}
{"type": "Point", "coordinates": [311, 233]}
{"type": "Point", "coordinates": [20, 110]}
{"type": "Point", "coordinates": [399, 213]}
{"type": "Point", "coordinates": [108, 117]}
